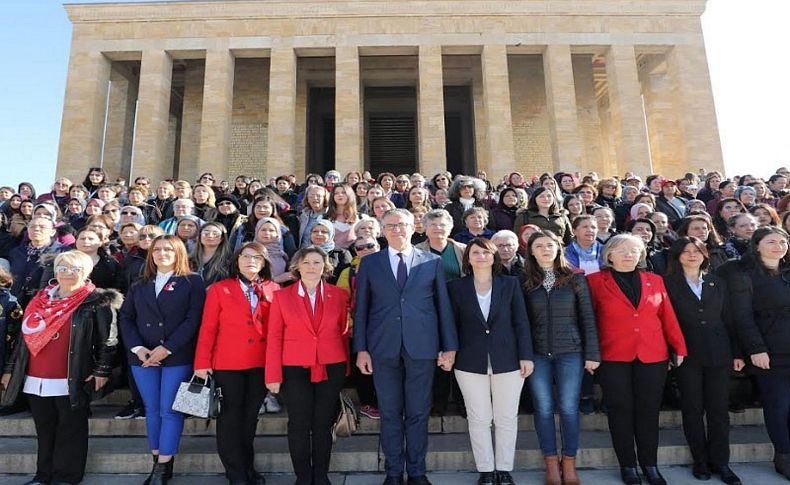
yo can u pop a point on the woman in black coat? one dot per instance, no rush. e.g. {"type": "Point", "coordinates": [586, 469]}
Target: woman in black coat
{"type": "Point", "coordinates": [759, 289]}
{"type": "Point", "coordinates": [701, 304]}
{"type": "Point", "coordinates": [494, 358]}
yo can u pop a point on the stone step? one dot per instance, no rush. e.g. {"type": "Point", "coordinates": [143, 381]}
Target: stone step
{"type": "Point", "coordinates": [103, 424]}
{"type": "Point", "coordinates": [360, 453]}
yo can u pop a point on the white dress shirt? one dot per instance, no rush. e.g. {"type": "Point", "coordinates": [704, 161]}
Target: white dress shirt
{"type": "Point", "coordinates": [161, 280]}
{"type": "Point", "coordinates": [408, 258]}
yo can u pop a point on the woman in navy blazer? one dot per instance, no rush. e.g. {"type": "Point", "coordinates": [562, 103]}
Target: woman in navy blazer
{"type": "Point", "coordinates": [495, 356]}
{"type": "Point", "coordinates": [159, 321]}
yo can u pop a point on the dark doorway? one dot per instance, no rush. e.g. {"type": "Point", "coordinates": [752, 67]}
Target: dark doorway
{"type": "Point", "coordinates": [321, 130]}
{"type": "Point", "coordinates": [390, 129]}
{"type": "Point", "coordinates": [459, 130]}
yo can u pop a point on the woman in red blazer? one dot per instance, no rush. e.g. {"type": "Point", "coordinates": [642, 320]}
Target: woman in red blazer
{"type": "Point", "coordinates": [636, 327]}
{"type": "Point", "coordinates": [307, 353]}
{"type": "Point", "coordinates": [232, 346]}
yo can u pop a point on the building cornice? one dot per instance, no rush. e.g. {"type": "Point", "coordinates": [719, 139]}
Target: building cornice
{"type": "Point", "coordinates": [311, 9]}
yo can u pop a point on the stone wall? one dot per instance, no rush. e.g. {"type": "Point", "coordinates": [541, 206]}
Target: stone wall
{"type": "Point", "coordinates": [531, 136]}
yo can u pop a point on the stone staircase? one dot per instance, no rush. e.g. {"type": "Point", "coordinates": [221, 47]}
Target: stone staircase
{"type": "Point", "coordinates": [120, 446]}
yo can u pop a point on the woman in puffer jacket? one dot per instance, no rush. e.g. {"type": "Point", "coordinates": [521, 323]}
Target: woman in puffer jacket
{"type": "Point", "coordinates": [565, 344]}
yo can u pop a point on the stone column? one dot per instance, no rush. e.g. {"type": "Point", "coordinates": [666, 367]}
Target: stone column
{"type": "Point", "coordinates": [191, 113]}
{"type": "Point", "coordinates": [282, 112]}
{"type": "Point", "coordinates": [151, 156]}
{"type": "Point", "coordinates": [430, 109]}
{"type": "Point", "coordinates": [82, 126]}
{"type": "Point", "coordinates": [119, 131]}
{"type": "Point", "coordinates": [664, 132]}
{"type": "Point", "coordinates": [566, 142]}
{"type": "Point", "coordinates": [496, 96]}
{"type": "Point", "coordinates": [687, 67]}
{"type": "Point", "coordinates": [215, 122]}
{"type": "Point", "coordinates": [349, 154]}
{"type": "Point", "coordinates": [589, 120]}
{"type": "Point", "coordinates": [625, 104]}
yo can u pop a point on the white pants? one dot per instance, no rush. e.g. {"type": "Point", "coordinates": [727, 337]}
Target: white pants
{"type": "Point", "coordinates": [492, 397]}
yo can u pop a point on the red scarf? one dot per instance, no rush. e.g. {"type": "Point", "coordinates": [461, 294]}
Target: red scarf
{"type": "Point", "coordinates": [45, 316]}
{"type": "Point", "coordinates": [317, 371]}
{"type": "Point", "coordinates": [259, 315]}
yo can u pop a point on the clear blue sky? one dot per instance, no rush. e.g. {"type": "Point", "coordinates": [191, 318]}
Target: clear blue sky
{"type": "Point", "coordinates": [746, 46]}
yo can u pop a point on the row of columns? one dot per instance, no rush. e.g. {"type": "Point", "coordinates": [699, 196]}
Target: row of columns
{"type": "Point", "coordinates": [84, 111]}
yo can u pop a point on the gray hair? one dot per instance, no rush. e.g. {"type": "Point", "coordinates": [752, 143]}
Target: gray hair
{"type": "Point", "coordinates": [401, 213]}
{"type": "Point", "coordinates": [368, 220]}
{"type": "Point", "coordinates": [76, 258]}
{"type": "Point", "coordinates": [504, 234]}
{"type": "Point", "coordinates": [438, 214]}
{"type": "Point", "coordinates": [618, 240]}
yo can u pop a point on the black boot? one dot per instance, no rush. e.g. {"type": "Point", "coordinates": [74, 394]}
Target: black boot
{"type": "Point", "coordinates": [169, 468]}
{"type": "Point", "coordinates": [782, 464]}
{"type": "Point", "coordinates": [255, 478]}
{"type": "Point", "coordinates": [487, 478]}
{"type": "Point", "coordinates": [158, 477]}
{"type": "Point", "coordinates": [653, 476]}
{"type": "Point", "coordinates": [153, 465]}
{"type": "Point", "coordinates": [629, 475]}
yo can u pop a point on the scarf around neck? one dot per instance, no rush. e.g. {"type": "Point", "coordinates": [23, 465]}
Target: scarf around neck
{"type": "Point", "coordinates": [46, 315]}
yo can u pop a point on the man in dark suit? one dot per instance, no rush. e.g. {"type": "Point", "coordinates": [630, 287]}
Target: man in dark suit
{"type": "Point", "coordinates": [403, 327]}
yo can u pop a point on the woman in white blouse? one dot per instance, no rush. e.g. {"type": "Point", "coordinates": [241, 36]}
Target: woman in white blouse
{"type": "Point", "coordinates": [495, 357]}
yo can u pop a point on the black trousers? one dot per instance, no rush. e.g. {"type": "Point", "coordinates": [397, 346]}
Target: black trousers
{"type": "Point", "coordinates": [704, 393]}
{"type": "Point", "coordinates": [242, 394]}
{"type": "Point", "coordinates": [62, 434]}
{"type": "Point", "coordinates": [312, 410]}
{"type": "Point", "coordinates": [444, 384]}
{"type": "Point", "coordinates": [632, 392]}
{"type": "Point", "coordinates": [364, 386]}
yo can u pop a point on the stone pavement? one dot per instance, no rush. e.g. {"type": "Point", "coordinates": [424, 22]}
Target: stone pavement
{"type": "Point", "coordinates": [750, 473]}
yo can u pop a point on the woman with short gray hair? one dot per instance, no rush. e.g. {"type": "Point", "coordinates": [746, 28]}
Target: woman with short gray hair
{"type": "Point", "coordinates": [637, 329]}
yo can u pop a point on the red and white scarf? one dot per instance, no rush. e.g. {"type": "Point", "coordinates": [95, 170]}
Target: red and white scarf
{"type": "Point", "coordinates": [45, 316]}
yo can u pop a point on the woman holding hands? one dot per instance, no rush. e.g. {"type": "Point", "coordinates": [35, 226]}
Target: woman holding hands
{"type": "Point", "coordinates": [232, 346]}
{"type": "Point", "coordinates": [495, 357]}
{"type": "Point", "coordinates": [307, 355]}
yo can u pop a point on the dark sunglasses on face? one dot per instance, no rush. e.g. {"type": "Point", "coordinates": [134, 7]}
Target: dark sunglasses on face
{"type": "Point", "coordinates": [143, 237]}
{"type": "Point", "coordinates": [365, 246]}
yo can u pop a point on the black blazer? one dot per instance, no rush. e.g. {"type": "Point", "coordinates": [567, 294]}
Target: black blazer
{"type": "Point", "coordinates": [706, 323]}
{"type": "Point", "coordinates": [504, 337]}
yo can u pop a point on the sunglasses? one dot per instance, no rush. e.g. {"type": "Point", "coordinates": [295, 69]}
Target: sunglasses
{"type": "Point", "coordinates": [365, 246]}
{"type": "Point", "coordinates": [143, 237]}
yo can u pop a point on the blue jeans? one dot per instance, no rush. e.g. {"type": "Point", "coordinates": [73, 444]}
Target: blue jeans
{"type": "Point", "coordinates": [566, 371]}
{"type": "Point", "coordinates": [158, 387]}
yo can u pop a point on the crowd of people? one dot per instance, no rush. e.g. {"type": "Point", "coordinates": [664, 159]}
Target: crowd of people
{"type": "Point", "coordinates": [424, 295]}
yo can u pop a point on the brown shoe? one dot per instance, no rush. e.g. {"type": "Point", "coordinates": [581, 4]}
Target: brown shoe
{"type": "Point", "coordinates": [569, 475]}
{"type": "Point", "coordinates": [552, 470]}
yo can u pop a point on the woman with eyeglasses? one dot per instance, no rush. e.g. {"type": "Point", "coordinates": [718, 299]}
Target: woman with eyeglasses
{"type": "Point", "coordinates": [212, 255]}
{"type": "Point", "coordinates": [609, 190]}
{"type": "Point", "coordinates": [364, 245]}
{"type": "Point", "coordinates": [232, 348]}
{"type": "Point", "coordinates": [307, 357]}
{"type": "Point", "coordinates": [94, 178]}
{"type": "Point", "coordinates": [639, 336]}
{"type": "Point", "coordinates": [465, 193]}
{"type": "Point", "coordinates": [64, 357]}
{"type": "Point", "coordinates": [759, 290]}
{"type": "Point", "coordinates": [159, 321]}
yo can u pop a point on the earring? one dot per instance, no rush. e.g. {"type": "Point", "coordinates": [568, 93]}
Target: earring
{"type": "Point", "coordinates": [52, 282]}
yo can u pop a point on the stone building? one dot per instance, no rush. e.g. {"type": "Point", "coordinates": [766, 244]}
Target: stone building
{"type": "Point", "coordinates": [269, 87]}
